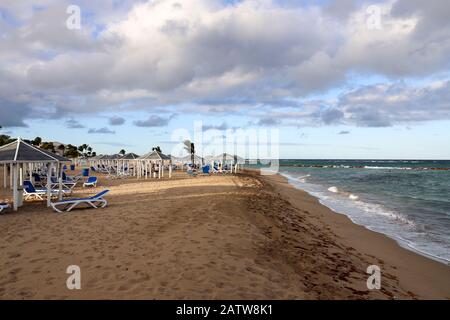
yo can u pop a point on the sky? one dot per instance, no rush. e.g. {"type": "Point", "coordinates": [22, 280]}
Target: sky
{"type": "Point", "coordinates": [325, 79]}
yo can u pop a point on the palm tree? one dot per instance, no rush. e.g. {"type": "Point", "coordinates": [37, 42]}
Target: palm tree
{"type": "Point", "coordinates": [85, 150]}
{"type": "Point", "coordinates": [190, 148]}
{"type": "Point", "coordinates": [71, 151]}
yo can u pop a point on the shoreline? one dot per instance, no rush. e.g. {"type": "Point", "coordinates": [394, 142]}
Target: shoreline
{"type": "Point", "coordinates": [406, 264]}
{"type": "Point", "coordinates": [400, 242]}
{"type": "Point", "coordinates": [244, 236]}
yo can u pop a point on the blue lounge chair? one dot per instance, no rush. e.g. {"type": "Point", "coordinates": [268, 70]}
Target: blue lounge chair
{"type": "Point", "coordinates": [66, 184]}
{"type": "Point", "coordinates": [206, 169]}
{"type": "Point", "coordinates": [76, 178]}
{"type": "Point", "coordinates": [30, 192]}
{"type": "Point", "coordinates": [91, 182]}
{"type": "Point", "coordinates": [94, 202]}
{"type": "Point", "coordinates": [3, 206]}
{"type": "Point", "coordinates": [38, 180]}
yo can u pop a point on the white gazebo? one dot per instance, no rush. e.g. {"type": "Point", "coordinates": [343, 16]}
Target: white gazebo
{"type": "Point", "coordinates": [187, 159]}
{"type": "Point", "coordinates": [145, 163]}
{"type": "Point", "coordinates": [19, 157]}
{"type": "Point", "coordinates": [126, 165]}
{"type": "Point", "coordinates": [227, 159]}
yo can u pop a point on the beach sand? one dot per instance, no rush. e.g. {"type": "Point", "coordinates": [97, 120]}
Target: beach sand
{"type": "Point", "coordinates": [206, 237]}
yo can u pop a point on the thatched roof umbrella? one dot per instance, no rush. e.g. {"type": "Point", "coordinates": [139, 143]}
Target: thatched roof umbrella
{"type": "Point", "coordinates": [16, 155]}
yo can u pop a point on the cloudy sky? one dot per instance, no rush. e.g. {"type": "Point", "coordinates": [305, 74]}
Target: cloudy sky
{"type": "Point", "coordinates": [338, 79]}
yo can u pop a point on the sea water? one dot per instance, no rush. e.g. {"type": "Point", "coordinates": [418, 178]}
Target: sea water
{"type": "Point", "coordinates": [406, 200]}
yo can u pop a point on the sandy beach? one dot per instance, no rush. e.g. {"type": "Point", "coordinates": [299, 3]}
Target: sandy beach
{"type": "Point", "coordinates": [207, 237]}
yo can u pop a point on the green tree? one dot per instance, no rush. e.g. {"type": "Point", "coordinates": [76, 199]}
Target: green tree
{"type": "Point", "coordinates": [5, 139]}
{"type": "Point", "coordinates": [86, 151]}
{"type": "Point", "coordinates": [157, 148]}
{"type": "Point", "coordinates": [37, 141]}
{"type": "Point", "coordinates": [122, 152]}
{"type": "Point", "coordinates": [48, 146]}
{"type": "Point", "coordinates": [71, 151]}
{"type": "Point", "coordinates": [61, 148]}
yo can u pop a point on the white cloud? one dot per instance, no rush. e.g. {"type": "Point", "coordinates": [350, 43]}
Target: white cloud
{"type": "Point", "coordinates": [212, 56]}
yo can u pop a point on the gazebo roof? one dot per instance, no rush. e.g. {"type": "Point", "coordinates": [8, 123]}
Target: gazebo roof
{"type": "Point", "coordinates": [114, 157]}
{"type": "Point", "coordinates": [130, 156]}
{"type": "Point", "coordinates": [20, 151]}
{"type": "Point", "coordinates": [225, 157]}
{"type": "Point", "coordinates": [154, 155]}
{"type": "Point", "coordinates": [186, 158]}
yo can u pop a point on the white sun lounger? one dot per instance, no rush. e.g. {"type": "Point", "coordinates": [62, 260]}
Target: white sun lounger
{"type": "Point", "coordinates": [94, 201]}
{"type": "Point", "coordinates": [3, 206]}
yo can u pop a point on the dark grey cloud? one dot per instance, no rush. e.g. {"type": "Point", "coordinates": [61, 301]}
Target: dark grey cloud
{"type": "Point", "coordinates": [73, 124]}
{"type": "Point", "coordinates": [268, 122]}
{"type": "Point", "coordinates": [101, 131]}
{"type": "Point", "coordinates": [371, 106]}
{"type": "Point", "coordinates": [433, 15]}
{"type": "Point", "coordinates": [153, 121]}
{"type": "Point", "coordinates": [221, 127]}
{"type": "Point", "coordinates": [116, 121]}
{"type": "Point", "coordinates": [340, 9]}
{"type": "Point", "coordinates": [385, 105]}
{"type": "Point", "coordinates": [330, 116]}
{"type": "Point", "coordinates": [12, 114]}
{"type": "Point", "coordinates": [344, 132]}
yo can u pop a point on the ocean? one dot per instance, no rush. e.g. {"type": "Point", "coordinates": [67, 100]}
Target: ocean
{"type": "Point", "coordinates": [407, 200]}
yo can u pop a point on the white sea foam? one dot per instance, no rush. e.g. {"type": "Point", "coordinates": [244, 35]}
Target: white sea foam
{"type": "Point", "coordinates": [373, 216]}
{"type": "Point", "coordinates": [387, 168]}
{"type": "Point", "coordinates": [353, 197]}
{"type": "Point", "coordinates": [333, 189]}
